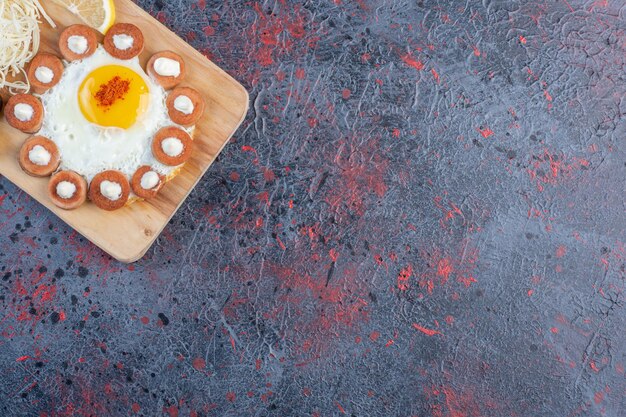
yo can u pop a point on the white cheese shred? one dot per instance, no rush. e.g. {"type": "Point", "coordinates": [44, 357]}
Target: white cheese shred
{"type": "Point", "coordinates": [19, 40]}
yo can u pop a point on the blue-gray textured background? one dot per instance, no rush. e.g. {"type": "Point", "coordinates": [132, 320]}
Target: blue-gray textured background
{"type": "Point", "coordinates": [422, 215]}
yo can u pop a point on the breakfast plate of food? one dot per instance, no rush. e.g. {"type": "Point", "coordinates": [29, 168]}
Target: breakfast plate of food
{"type": "Point", "coordinates": [109, 119]}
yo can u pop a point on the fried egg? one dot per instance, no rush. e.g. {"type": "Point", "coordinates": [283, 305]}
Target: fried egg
{"type": "Point", "coordinates": [103, 115]}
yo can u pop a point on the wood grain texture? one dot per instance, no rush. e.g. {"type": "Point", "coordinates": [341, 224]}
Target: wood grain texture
{"type": "Point", "coordinates": [128, 233]}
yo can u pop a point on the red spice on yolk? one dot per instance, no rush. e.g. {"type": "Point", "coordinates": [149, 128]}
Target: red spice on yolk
{"type": "Point", "coordinates": [115, 89]}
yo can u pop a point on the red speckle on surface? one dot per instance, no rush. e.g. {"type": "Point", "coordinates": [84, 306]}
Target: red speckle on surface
{"type": "Point", "coordinates": [199, 364]}
{"type": "Point", "coordinates": [460, 405]}
{"type": "Point", "coordinates": [467, 280]}
{"type": "Point", "coordinates": [403, 278]}
{"type": "Point", "coordinates": [269, 175]}
{"type": "Point", "coordinates": [374, 336]}
{"type": "Point", "coordinates": [281, 33]}
{"type": "Point", "coordinates": [362, 173]}
{"type": "Point", "coordinates": [34, 298]}
{"type": "Point", "coordinates": [551, 168]}
{"type": "Point", "coordinates": [231, 397]}
{"type": "Point", "coordinates": [265, 197]}
{"type": "Point", "coordinates": [459, 401]}
{"type": "Point", "coordinates": [435, 75]}
{"type": "Point", "coordinates": [209, 30]}
{"type": "Point", "coordinates": [46, 293]}
{"type": "Point", "coordinates": [340, 304]}
{"type": "Point", "coordinates": [161, 17]}
{"type": "Point", "coordinates": [444, 269]}
{"type": "Point", "coordinates": [259, 222]}
{"type": "Point", "coordinates": [441, 266]}
{"type": "Point", "coordinates": [547, 95]}
{"type": "Point", "coordinates": [412, 62]}
{"type": "Point", "coordinates": [427, 332]}
{"type": "Point", "coordinates": [247, 148]}
{"type": "Point", "coordinates": [135, 408]}
{"type": "Point", "coordinates": [90, 255]}
{"type": "Point", "coordinates": [485, 132]}
{"type": "Point", "coordinates": [450, 212]}
{"type": "Point", "coordinates": [346, 94]}
{"type": "Point", "coordinates": [598, 397]}
{"type": "Point", "coordinates": [172, 411]}
{"type": "Point", "coordinates": [561, 251]}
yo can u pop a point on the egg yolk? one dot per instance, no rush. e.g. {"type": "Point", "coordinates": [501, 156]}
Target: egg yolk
{"type": "Point", "coordinates": [113, 96]}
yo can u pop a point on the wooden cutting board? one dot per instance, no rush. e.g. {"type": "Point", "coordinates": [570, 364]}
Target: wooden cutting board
{"type": "Point", "coordinates": [128, 233]}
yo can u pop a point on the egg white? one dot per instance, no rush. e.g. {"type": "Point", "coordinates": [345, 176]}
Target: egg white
{"type": "Point", "coordinates": [89, 149]}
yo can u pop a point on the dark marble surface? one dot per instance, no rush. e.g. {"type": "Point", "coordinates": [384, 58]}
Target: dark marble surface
{"type": "Point", "coordinates": [422, 215]}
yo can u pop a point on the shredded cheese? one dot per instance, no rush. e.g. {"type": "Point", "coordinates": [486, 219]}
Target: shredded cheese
{"type": "Point", "coordinates": [19, 40]}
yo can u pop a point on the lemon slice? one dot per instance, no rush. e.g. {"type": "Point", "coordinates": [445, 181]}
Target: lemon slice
{"type": "Point", "coordinates": [99, 14]}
